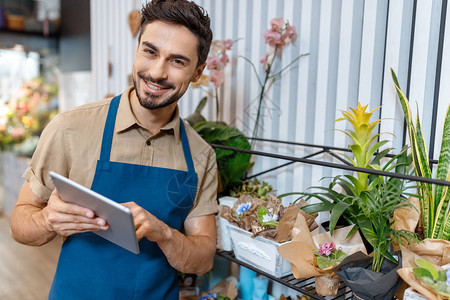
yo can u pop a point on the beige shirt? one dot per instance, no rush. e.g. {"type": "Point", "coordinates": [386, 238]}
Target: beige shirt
{"type": "Point", "coordinates": [70, 145]}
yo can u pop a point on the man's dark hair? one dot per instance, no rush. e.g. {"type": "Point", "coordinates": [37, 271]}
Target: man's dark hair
{"type": "Point", "coordinates": [181, 12]}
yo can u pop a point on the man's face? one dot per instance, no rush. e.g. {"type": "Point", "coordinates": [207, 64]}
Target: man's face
{"type": "Point", "coordinates": [165, 64]}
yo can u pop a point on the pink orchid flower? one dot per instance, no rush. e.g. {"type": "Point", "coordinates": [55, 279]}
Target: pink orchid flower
{"type": "Point", "coordinates": [217, 77]}
{"type": "Point", "coordinates": [213, 62]}
{"type": "Point", "coordinates": [265, 61]}
{"type": "Point", "coordinates": [224, 58]}
{"type": "Point", "coordinates": [272, 38]}
{"type": "Point", "coordinates": [277, 24]}
{"type": "Point", "coordinates": [290, 31]}
{"type": "Point", "coordinates": [227, 44]}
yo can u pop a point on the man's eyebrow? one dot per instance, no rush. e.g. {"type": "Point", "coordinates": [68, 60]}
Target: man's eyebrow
{"type": "Point", "coordinates": [150, 45]}
{"type": "Point", "coordinates": [177, 56]}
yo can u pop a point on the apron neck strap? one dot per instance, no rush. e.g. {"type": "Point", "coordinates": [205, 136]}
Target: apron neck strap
{"type": "Point", "coordinates": [186, 149]}
{"type": "Point", "coordinates": [108, 132]}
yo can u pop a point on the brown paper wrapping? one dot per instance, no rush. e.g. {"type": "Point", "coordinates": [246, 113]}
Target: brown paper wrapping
{"type": "Point", "coordinates": [225, 288]}
{"type": "Point", "coordinates": [327, 284]}
{"type": "Point", "coordinates": [299, 252]}
{"type": "Point", "coordinates": [406, 218]}
{"type": "Point", "coordinates": [437, 252]}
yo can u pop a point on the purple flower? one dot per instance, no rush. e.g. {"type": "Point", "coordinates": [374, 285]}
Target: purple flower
{"type": "Point", "coordinates": [326, 249]}
{"type": "Point", "coordinates": [448, 277]}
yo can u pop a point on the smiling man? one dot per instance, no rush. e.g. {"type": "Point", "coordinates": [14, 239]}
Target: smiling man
{"type": "Point", "coordinates": [134, 149]}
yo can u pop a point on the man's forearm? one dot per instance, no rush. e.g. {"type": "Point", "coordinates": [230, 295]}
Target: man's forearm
{"type": "Point", "coordinates": [192, 254]}
{"type": "Point", "coordinates": [28, 226]}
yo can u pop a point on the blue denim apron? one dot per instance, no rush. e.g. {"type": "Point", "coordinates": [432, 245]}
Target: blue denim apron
{"type": "Point", "coordinates": [91, 267]}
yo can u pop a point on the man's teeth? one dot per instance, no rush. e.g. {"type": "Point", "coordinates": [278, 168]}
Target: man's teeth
{"type": "Point", "coordinates": [153, 87]}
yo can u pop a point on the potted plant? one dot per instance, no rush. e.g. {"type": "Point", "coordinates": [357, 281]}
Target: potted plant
{"type": "Point", "coordinates": [258, 227]}
{"type": "Point", "coordinates": [368, 202]}
{"type": "Point", "coordinates": [345, 195]}
{"type": "Point", "coordinates": [434, 199]}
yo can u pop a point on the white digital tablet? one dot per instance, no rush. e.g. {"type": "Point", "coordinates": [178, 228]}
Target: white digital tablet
{"type": "Point", "coordinates": [121, 226]}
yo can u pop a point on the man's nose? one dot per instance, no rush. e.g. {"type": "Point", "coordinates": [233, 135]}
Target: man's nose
{"type": "Point", "coordinates": [158, 70]}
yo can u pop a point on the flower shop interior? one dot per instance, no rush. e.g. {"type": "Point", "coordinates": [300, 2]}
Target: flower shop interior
{"type": "Point", "coordinates": [330, 123]}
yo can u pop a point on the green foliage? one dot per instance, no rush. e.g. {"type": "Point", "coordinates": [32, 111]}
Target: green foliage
{"type": "Point", "coordinates": [378, 206]}
{"type": "Point", "coordinates": [435, 208]}
{"type": "Point", "coordinates": [254, 188]}
{"type": "Point", "coordinates": [434, 279]}
{"type": "Point", "coordinates": [325, 262]}
{"type": "Point", "coordinates": [232, 165]}
{"type": "Point", "coordinates": [367, 201]}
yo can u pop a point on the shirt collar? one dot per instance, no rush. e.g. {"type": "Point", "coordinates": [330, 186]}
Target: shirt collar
{"type": "Point", "coordinates": [125, 118]}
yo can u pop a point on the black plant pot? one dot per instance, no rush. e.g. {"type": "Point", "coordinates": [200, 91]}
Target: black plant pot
{"type": "Point", "coordinates": [355, 271]}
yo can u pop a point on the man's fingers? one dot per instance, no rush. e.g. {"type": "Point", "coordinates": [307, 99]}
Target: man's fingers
{"type": "Point", "coordinates": [59, 205]}
{"type": "Point", "coordinates": [68, 218]}
{"type": "Point", "coordinates": [74, 209]}
{"type": "Point", "coordinates": [66, 230]}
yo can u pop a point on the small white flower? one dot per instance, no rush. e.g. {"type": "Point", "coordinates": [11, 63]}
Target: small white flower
{"type": "Point", "coordinates": [269, 217]}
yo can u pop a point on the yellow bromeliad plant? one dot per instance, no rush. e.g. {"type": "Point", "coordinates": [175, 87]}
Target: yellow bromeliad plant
{"type": "Point", "coordinates": [434, 203]}
{"type": "Point", "coordinates": [366, 201]}
{"type": "Point", "coordinates": [362, 138]}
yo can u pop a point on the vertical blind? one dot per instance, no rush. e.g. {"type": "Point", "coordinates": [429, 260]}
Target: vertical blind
{"type": "Point", "coordinates": [351, 46]}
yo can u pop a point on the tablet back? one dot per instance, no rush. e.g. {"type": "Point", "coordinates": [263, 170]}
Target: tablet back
{"type": "Point", "coordinates": [121, 226]}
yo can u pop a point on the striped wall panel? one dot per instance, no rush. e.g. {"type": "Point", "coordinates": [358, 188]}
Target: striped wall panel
{"type": "Point", "coordinates": [351, 46]}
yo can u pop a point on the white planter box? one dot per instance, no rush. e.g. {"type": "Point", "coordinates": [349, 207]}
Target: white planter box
{"type": "Point", "coordinates": [259, 252]}
{"type": "Point", "coordinates": [223, 233]}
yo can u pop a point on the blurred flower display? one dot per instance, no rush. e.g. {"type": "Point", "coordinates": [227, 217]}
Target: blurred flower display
{"type": "Point", "coordinates": [22, 120]}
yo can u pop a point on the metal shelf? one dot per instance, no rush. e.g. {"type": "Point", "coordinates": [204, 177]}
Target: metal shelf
{"type": "Point", "coordinates": [304, 286]}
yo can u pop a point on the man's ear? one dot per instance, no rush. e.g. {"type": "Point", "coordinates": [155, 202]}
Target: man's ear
{"type": "Point", "coordinates": [198, 73]}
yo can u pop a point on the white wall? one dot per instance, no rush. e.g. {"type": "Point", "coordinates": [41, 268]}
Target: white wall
{"type": "Point", "coordinates": [352, 44]}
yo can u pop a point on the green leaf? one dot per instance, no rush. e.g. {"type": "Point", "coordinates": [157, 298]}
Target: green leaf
{"type": "Point", "coordinates": [336, 213]}
{"type": "Point", "coordinates": [375, 147]}
{"type": "Point", "coordinates": [201, 105]}
{"type": "Point", "coordinates": [334, 259]}
{"type": "Point", "coordinates": [441, 195]}
{"type": "Point", "coordinates": [271, 224]}
{"type": "Point", "coordinates": [422, 273]}
{"type": "Point", "coordinates": [262, 211]}
{"type": "Point", "coordinates": [352, 231]}
{"type": "Point", "coordinates": [317, 207]}
{"type": "Point", "coordinates": [427, 266]}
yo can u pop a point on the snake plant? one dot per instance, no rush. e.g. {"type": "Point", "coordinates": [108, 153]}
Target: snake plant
{"type": "Point", "coordinates": [434, 200]}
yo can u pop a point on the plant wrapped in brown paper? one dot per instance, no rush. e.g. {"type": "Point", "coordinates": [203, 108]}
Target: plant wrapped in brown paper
{"type": "Point", "coordinates": [434, 251]}
{"type": "Point", "coordinates": [258, 216]}
{"type": "Point", "coordinates": [300, 253]}
{"type": "Point", "coordinates": [225, 289]}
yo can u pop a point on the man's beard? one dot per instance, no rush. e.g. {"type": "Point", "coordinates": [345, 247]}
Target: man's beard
{"type": "Point", "coordinates": [149, 101]}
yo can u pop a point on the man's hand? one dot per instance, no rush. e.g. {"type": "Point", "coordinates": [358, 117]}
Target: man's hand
{"type": "Point", "coordinates": [147, 225]}
{"type": "Point", "coordinates": [66, 219]}
{"type": "Point", "coordinates": [192, 252]}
